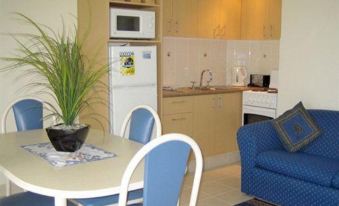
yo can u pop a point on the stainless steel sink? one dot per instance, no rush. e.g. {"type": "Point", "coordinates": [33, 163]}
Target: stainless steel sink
{"type": "Point", "coordinates": [197, 89]}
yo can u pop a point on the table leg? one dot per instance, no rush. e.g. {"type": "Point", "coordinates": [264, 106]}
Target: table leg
{"type": "Point", "coordinates": [59, 201]}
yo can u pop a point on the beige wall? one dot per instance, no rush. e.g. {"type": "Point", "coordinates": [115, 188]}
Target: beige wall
{"type": "Point", "coordinates": [309, 54]}
{"type": "Point", "coordinates": [49, 12]}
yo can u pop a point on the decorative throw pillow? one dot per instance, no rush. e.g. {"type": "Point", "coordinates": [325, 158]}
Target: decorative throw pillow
{"type": "Point", "coordinates": [296, 128]}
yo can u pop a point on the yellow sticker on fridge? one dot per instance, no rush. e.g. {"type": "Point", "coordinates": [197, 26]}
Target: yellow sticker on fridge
{"type": "Point", "coordinates": [127, 66]}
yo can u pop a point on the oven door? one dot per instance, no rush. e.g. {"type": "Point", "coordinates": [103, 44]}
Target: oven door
{"type": "Point", "coordinates": [256, 114]}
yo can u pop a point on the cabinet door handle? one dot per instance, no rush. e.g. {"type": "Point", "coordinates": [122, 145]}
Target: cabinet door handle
{"type": "Point", "coordinates": [223, 31]}
{"type": "Point", "coordinates": [264, 31]}
{"type": "Point", "coordinates": [179, 119]}
{"type": "Point", "coordinates": [218, 31]}
{"type": "Point", "coordinates": [271, 31]}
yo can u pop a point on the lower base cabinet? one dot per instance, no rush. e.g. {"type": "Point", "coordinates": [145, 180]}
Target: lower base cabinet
{"type": "Point", "coordinates": [213, 121]}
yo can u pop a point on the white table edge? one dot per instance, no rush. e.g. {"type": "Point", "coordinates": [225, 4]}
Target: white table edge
{"type": "Point", "coordinates": [59, 195]}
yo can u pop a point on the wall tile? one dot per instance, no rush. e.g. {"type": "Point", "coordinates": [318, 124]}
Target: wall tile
{"type": "Point", "coordinates": [189, 56]}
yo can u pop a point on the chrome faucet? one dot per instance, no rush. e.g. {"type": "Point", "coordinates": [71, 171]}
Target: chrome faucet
{"type": "Point", "coordinates": [202, 77]}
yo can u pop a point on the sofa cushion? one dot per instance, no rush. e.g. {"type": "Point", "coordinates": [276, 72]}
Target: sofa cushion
{"type": "Point", "coordinates": [296, 128]}
{"type": "Point", "coordinates": [309, 168]}
{"type": "Point", "coordinates": [335, 181]}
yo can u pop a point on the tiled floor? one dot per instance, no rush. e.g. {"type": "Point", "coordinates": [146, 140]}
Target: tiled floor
{"type": "Point", "coordinates": [219, 187]}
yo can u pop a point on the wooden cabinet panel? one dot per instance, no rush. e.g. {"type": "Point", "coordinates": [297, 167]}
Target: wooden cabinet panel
{"type": "Point", "coordinates": [203, 122]}
{"type": "Point", "coordinates": [211, 120]}
{"type": "Point", "coordinates": [228, 121]}
{"type": "Point", "coordinates": [175, 105]}
{"type": "Point", "coordinates": [232, 24]}
{"type": "Point", "coordinates": [219, 19]}
{"type": "Point", "coordinates": [254, 14]}
{"type": "Point", "coordinates": [229, 19]}
{"type": "Point", "coordinates": [275, 18]}
{"type": "Point", "coordinates": [206, 18]}
{"type": "Point", "coordinates": [168, 18]}
{"type": "Point", "coordinates": [216, 119]}
{"type": "Point", "coordinates": [180, 18]}
{"type": "Point", "coordinates": [186, 14]}
{"type": "Point", "coordinates": [261, 19]}
{"type": "Point", "coordinates": [178, 123]}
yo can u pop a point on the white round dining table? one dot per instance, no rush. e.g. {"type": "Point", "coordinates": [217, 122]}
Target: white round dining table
{"type": "Point", "coordinates": [84, 180]}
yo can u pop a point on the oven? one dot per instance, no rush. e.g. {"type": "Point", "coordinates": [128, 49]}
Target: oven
{"type": "Point", "coordinates": [258, 106]}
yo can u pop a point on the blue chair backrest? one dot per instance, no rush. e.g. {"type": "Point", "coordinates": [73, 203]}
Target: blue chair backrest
{"type": "Point", "coordinates": [164, 173]}
{"type": "Point", "coordinates": [141, 126]}
{"type": "Point", "coordinates": [28, 114]}
{"type": "Point", "coordinates": [327, 144]}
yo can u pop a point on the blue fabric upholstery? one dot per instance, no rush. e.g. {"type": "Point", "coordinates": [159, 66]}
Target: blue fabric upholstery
{"type": "Point", "coordinates": [255, 139]}
{"type": "Point", "coordinates": [286, 191]}
{"type": "Point", "coordinates": [327, 144]}
{"type": "Point", "coordinates": [335, 181]}
{"type": "Point", "coordinates": [315, 169]}
{"type": "Point", "coordinates": [28, 114]}
{"type": "Point", "coordinates": [296, 128]}
{"type": "Point", "coordinates": [27, 198]}
{"type": "Point", "coordinates": [108, 200]}
{"type": "Point", "coordinates": [164, 172]}
{"type": "Point", "coordinates": [141, 126]}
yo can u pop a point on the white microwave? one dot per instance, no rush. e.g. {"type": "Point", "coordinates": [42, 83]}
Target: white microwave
{"type": "Point", "coordinates": [132, 24]}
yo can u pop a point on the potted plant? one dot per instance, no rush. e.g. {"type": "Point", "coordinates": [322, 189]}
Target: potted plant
{"type": "Point", "coordinates": [58, 60]}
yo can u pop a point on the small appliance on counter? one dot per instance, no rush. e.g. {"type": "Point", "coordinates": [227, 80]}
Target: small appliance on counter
{"type": "Point", "coordinates": [239, 75]}
{"type": "Point", "coordinates": [259, 80]}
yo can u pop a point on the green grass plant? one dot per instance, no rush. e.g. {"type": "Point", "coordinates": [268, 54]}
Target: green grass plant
{"type": "Point", "coordinates": [59, 67]}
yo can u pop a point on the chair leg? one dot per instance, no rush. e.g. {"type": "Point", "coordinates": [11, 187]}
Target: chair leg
{"type": "Point", "coordinates": [8, 188]}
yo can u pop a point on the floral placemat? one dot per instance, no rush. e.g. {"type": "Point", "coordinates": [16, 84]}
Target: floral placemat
{"type": "Point", "coordinates": [87, 153]}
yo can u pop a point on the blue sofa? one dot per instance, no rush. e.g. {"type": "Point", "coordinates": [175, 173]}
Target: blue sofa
{"type": "Point", "coordinates": [307, 177]}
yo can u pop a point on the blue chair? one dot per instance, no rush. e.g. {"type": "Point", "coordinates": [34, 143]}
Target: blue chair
{"type": "Point", "coordinates": [165, 163]}
{"type": "Point", "coordinates": [28, 116]}
{"type": "Point", "coordinates": [141, 121]}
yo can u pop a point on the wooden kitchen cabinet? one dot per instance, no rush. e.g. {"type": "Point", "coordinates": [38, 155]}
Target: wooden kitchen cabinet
{"type": "Point", "coordinates": [261, 19]}
{"type": "Point", "coordinates": [219, 19]}
{"type": "Point", "coordinates": [214, 19]}
{"type": "Point", "coordinates": [216, 119]}
{"type": "Point", "coordinates": [180, 18]}
{"type": "Point", "coordinates": [177, 115]}
{"type": "Point", "coordinates": [228, 19]}
{"type": "Point", "coordinates": [204, 112]}
{"type": "Point", "coordinates": [206, 18]}
{"type": "Point", "coordinates": [178, 123]}
{"type": "Point", "coordinates": [211, 120]}
{"type": "Point", "coordinates": [227, 122]}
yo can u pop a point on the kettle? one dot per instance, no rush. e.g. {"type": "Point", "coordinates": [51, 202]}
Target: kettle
{"type": "Point", "coordinates": [239, 75]}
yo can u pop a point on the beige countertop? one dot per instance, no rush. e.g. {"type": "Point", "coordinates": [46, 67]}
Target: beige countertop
{"type": "Point", "coordinates": [187, 91]}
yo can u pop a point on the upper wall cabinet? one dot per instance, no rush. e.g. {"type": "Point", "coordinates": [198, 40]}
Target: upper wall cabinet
{"type": "Point", "coordinates": [226, 19]}
{"type": "Point", "coordinates": [261, 19]}
{"type": "Point", "coordinates": [218, 19]}
{"type": "Point", "coordinates": [180, 18]}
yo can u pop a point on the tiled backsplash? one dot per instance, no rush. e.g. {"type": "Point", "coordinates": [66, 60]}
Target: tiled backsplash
{"type": "Point", "coordinates": [185, 58]}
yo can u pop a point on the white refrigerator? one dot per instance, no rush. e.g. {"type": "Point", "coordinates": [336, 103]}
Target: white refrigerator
{"type": "Point", "coordinates": [133, 81]}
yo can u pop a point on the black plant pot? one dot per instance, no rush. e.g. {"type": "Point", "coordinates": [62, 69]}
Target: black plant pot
{"type": "Point", "coordinates": [67, 140]}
